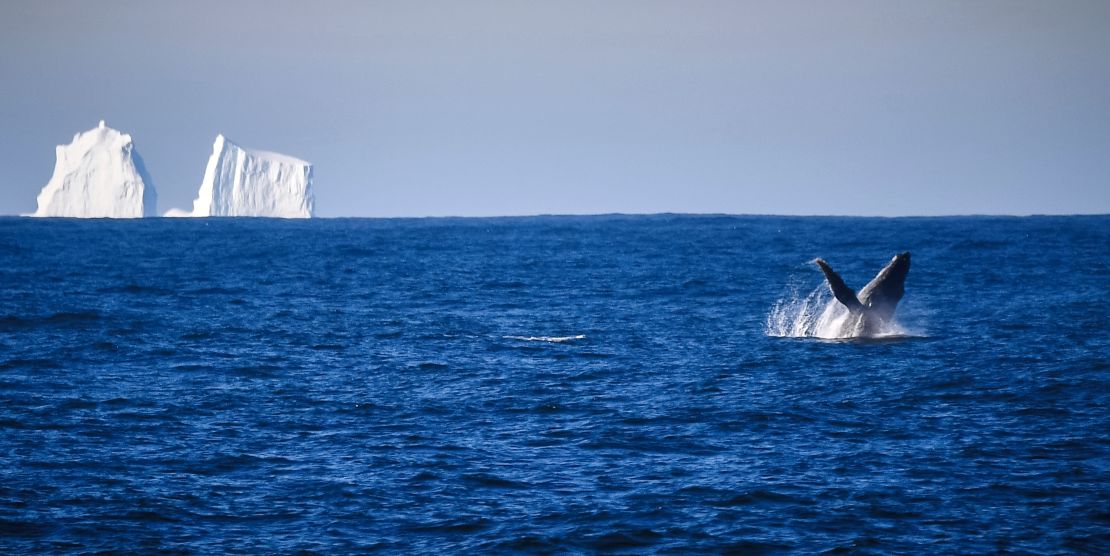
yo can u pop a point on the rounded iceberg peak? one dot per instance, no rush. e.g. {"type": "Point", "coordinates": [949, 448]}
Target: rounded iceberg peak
{"type": "Point", "coordinates": [247, 182]}
{"type": "Point", "coordinates": [98, 175]}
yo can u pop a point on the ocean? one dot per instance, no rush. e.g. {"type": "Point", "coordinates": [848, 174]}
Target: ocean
{"type": "Point", "coordinates": [601, 384]}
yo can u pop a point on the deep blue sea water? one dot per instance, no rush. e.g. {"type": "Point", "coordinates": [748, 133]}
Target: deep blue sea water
{"type": "Point", "coordinates": [549, 384]}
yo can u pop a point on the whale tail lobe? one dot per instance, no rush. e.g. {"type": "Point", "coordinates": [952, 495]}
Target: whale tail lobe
{"type": "Point", "coordinates": [840, 290]}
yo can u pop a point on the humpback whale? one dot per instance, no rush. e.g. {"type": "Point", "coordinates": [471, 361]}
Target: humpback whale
{"type": "Point", "coordinates": [874, 306]}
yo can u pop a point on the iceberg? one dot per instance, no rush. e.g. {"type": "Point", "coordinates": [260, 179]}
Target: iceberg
{"type": "Point", "coordinates": [246, 182]}
{"type": "Point", "coordinates": [98, 175]}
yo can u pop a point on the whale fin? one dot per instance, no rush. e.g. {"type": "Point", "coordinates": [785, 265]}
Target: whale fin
{"type": "Point", "coordinates": [843, 293]}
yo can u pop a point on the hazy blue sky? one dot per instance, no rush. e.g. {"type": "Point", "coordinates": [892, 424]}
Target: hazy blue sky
{"type": "Point", "coordinates": [415, 108]}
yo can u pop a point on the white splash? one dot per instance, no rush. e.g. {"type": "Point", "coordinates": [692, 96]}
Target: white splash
{"type": "Point", "coordinates": [819, 315]}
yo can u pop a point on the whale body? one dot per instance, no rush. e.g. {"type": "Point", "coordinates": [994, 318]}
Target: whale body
{"type": "Point", "coordinates": [871, 309]}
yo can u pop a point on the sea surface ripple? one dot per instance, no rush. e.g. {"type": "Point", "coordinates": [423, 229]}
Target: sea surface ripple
{"type": "Point", "coordinates": [549, 384]}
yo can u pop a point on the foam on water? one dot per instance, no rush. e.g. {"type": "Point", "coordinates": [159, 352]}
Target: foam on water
{"type": "Point", "coordinates": [549, 339]}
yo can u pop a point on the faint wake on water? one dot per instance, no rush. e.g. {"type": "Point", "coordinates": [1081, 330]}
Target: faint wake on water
{"type": "Point", "coordinates": [549, 339]}
{"type": "Point", "coordinates": [819, 315]}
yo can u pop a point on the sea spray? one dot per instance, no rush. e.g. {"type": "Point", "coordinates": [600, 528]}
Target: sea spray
{"type": "Point", "coordinates": [817, 315]}
{"type": "Point", "coordinates": [797, 316]}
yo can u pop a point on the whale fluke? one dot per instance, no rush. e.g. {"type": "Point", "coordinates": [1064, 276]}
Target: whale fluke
{"type": "Point", "coordinates": [843, 293]}
{"type": "Point", "coordinates": [874, 306]}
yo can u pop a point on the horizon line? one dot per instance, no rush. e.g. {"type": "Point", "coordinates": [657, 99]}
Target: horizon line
{"type": "Point", "coordinates": [598, 214]}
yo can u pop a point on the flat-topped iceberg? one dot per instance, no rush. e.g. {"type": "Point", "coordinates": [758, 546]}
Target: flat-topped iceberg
{"type": "Point", "coordinates": [98, 175]}
{"type": "Point", "coordinates": [244, 182]}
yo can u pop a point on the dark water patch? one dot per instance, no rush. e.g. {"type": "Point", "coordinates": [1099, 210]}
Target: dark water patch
{"type": "Point", "coordinates": [106, 346]}
{"type": "Point", "coordinates": [226, 463]}
{"type": "Point", "coordinates": [17, 529]}
{"type": "Point", "coordinates": [31, 364]}
{"type": "Point", "coordinates": [73, 404]}
{"type": "Point", "coordinates": [424, 477]}
{"type": "Point", "coordinates": [259, 371]}
{"type": "Point", "coordinates": [137, 289]}
{"type": "Point", "coordinates": [550, 407]}
{"type": "Point", "coordinates": [761, 497]}
{"type": "Point", "coordinates": [593, 355]}
{"type": "Point", "coordinates": [762, 547]}
{"type": "Point", "coordinates": [453, 526]}
{"type": "Point", "coordinates": [62, 319]}
{"type": "Point", "coordinates": [486, 480]}
{"type": "Point", "coordinates": [73, 318]}
{"type": "Point", "coordinates": [115, 403]}
{"type": "Point", "coordinates": [624, 540]}
{"type": "Point", "coordinates": [11, 323]}
{"type": "Point", "coordinates": [529, 544]}
{"type": "Point", "coordinates": [211, 291]}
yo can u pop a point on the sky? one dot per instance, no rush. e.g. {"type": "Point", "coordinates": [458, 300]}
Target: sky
{"type": "Point", "coordinates": [480, 108]}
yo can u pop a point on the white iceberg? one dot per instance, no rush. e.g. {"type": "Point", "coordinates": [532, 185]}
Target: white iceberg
{"type": "Point", "coordinates": [244, 182]}
{"type": "Point", "coordinates": [98, 175]}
